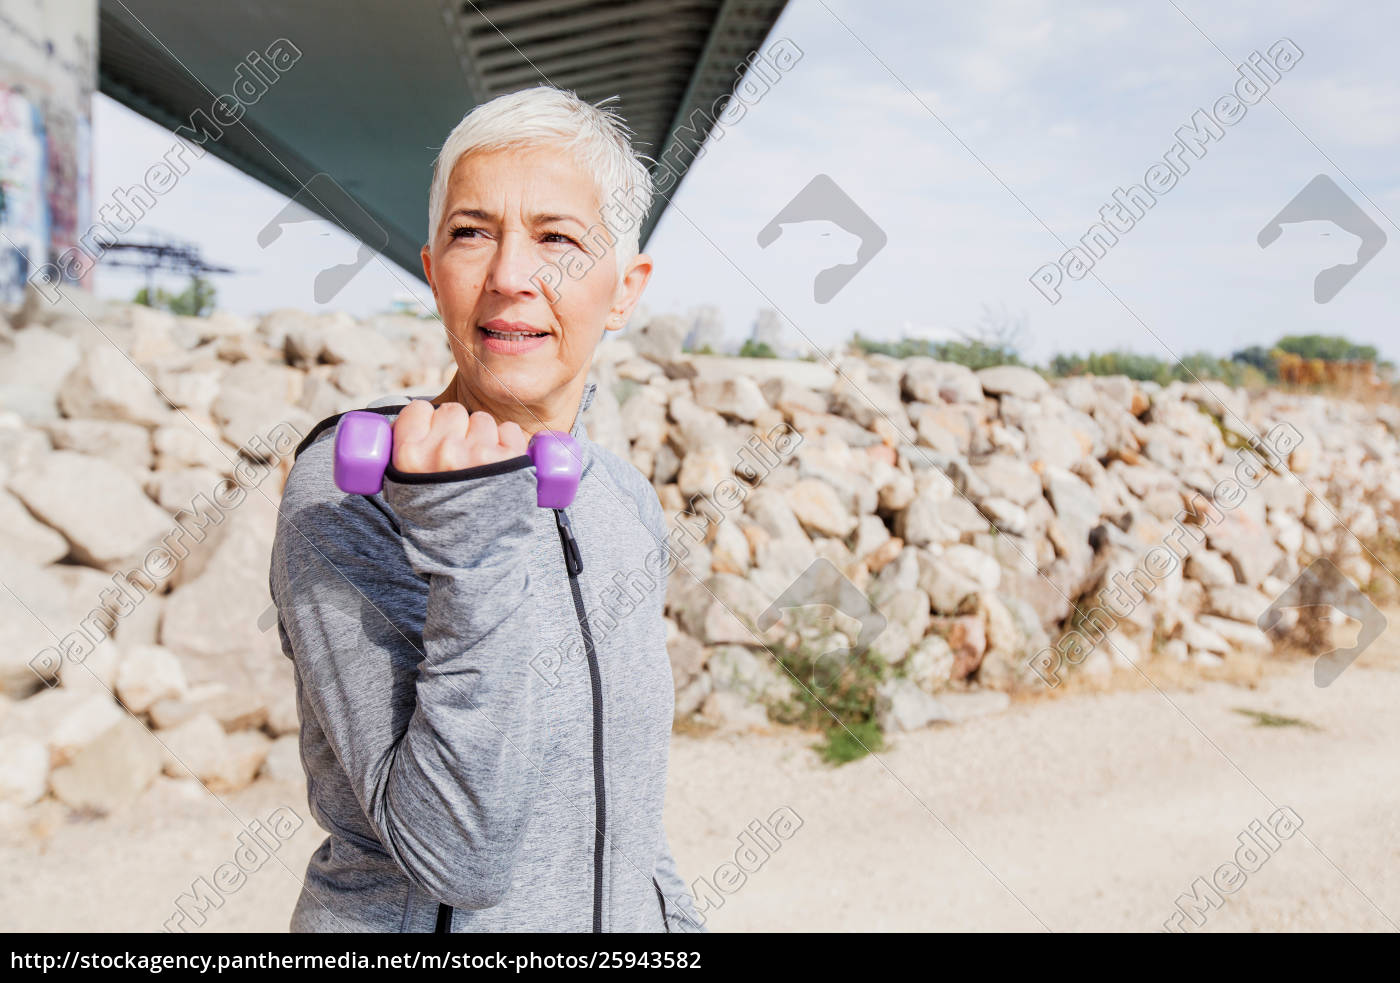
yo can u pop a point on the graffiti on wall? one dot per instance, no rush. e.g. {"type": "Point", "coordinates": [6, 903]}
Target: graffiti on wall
{"type": "Point", "coordinates": [24, 205]}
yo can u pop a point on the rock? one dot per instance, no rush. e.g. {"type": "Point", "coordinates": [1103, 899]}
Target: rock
{"type": "Point", "coordinates": [185, 490]}
{"type": "Point", "coordinates": [930, 663]}
{"type": "Point", "coordinates": [283, 717]}
{"type": "Point", "coordinates": [95, 672]}
{"type": "Point", "coordinates": [24, 770]}
{"type": "Point", "coordinates": [730, 553]}
{"type": "Point", "coordinates": [199, 748]}
{"type": "Point", "coordinates": [791, 398]}
{"type": "Point", "coordinates": [84, 721]}
{"type": "Point", "coordinates": [235, 709]}
{"type": "Point", "coordinates": [702, 471]}
{"type": "Point", "coordinates": [1237, 602]}
{"type": "Point", "coordinates": [739, 669]}
{"type": "Point", "coordinates": [738, 397]}
{"type": "Point", "coordinates": [696, 428]}
{"type": "Point", "coordinates": [907, 617]}
{"type": "Point", "coordinates": [149, 673]}
{"type": "Point", "coordinates": [19, 444]}
{"type": "Point", "coordinates": [1014, 636]}
{"type": "Point", "coordinates": [966, 636]}
{"type": "Point", "coordinates": [97, 507]}
{"type": "Point", "coordinates": [106, 385]}
{"type": "Point", "coordinates": [1210, 568]}
{"type": "Point", "coordinates": [26, 537]}
{"type": "Point", "coordinates": [1200, 637]}
{"type": "Point", "coordinates": [300, 335]}
{"type": "Point", "coordinates": [1005, 515]}
{"type": "Point", "coordinates": [946, 585]}
{"type": "Point", "coordinates": [29, 403]}
{"type": "Point", "coordinates": [974, 564]}
{"type": "Point", "coordinates": [110, 772]}
{"type": "Point", "coordinates": [193, 443]}
{"type": "Point", "coordinates": [125, 445]}
{"type": "Point", "coordinates": [1246, 544]}
{"type": "Point", "coordinates": [38, 358]}
{"type": "Point", "coordinates": [1075, 503]}
{"type": "Point", "coordinates": [1010, 478]}
{"type": "Point", "coordinates": [141, 626]}
{"type": "Point", "coordinates": [1056, 443]}
{"type": "Point", "coordinates": [932, 517]}
{"type": "Point", "coordinates": [862, 396]}
{"type": "Point", "coordinates": [901, 706]}
{"type": "Point", "coordinates": [871, 534]}
{"type": "Point", "coordinates": [212, 622]}
{"type": "Point", "coordinates": [817, 507]}
{"type": "Point", "coordinates": [690, 697]}
{"type": "Point", "coordinates": [660, 339]}
{"type": "Point", "coordinates": [930, 381]}
{"type": "Point", "coordinates": [1237, 635]}
{"type": "Point", "coordinates": [731, 711]}
{"type": "Point", "coordinates": [256, 399]}
{"type": "Point", "coordinates": [32, 612]}
{"type": "Point", "coordinates": [644, 422]}
{"type": "Point", "coordinates": [944, 431]}
{"type": "Point", "coordinates": [1014, 380]}
{"type": "Point", "coordinates": [897, 491]}
{"type": "Point", "coordinates": [283, 761]}
{"type": "Point", "coordinates": [687, 659]}
{"type": "Point", "coordinates": [357, 345]}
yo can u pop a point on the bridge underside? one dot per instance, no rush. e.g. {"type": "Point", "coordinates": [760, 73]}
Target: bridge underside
{"type": "Point", "coordinates": [376, 86]}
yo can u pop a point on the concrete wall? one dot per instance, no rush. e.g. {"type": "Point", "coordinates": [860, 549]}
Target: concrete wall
{"type": "Point", "coordinates": [48, 72]}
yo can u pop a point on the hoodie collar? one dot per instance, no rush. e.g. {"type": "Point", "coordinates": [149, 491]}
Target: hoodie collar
{"type": "Point", "coordinates": [578, 431]}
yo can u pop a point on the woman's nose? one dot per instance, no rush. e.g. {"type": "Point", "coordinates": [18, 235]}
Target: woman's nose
{"type": "Point", "coordinates": [516, 266]}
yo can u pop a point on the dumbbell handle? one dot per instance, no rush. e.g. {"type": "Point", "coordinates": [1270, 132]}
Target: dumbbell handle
{"type": "Point", "coordinates": [364, 445]}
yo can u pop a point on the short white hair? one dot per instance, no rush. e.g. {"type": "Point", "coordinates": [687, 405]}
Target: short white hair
{"type": "Point", "coordinates": [598, 136]}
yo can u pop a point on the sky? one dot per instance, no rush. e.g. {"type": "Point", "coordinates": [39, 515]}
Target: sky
{"type": "Point", "coordinates": [980, 142]}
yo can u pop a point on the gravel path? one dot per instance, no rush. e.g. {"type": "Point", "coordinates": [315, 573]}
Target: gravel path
{"type": "Point", "coordinates": [1094, 811]}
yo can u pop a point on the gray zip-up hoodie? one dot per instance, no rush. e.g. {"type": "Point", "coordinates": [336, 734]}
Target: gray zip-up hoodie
{"type": "Point", "coordinates": [486, 747]}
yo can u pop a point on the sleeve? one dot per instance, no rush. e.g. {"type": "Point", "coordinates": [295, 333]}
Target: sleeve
{"type": "Point", "coordinates": [438, 741]}
{"type": "Point", "coordinates": [681, 914]}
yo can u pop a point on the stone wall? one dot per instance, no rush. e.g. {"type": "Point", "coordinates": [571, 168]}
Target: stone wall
{"type": "Point", "coordinates": [982, 532]}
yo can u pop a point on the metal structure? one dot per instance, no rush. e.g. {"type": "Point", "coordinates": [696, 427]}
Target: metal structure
{"type": "Point", "coordinates": [378, 85]}
{"type": "Point", "coordinates": [171, 255]}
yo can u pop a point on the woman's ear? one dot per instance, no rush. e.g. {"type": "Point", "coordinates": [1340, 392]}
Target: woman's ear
{"type": "Point", "coordinates": [427, 257]}
{"type": "Point", "coordinates": [629, 292]}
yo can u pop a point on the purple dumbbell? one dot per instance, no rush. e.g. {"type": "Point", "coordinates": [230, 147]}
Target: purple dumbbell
{"type": "Point", "coordinates": [364, 444]}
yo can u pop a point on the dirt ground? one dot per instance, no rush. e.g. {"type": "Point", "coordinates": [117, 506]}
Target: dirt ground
{"type": "Point", "coordinates": [1088, 811]}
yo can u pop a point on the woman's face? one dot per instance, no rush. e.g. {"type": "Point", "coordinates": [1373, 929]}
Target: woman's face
{"type": "Point", "coordinates": [523, 299]}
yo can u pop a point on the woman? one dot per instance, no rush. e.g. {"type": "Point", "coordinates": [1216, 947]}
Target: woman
{"type": "Point", "coordinates": [471, 780]}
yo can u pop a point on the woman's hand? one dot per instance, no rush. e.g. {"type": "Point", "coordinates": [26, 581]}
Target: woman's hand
{"type": "Point", "coordinates": [446, 438]}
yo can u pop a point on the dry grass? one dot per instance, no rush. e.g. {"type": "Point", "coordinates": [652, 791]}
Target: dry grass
{"type": "Point", "coordinates": [1244, 669]}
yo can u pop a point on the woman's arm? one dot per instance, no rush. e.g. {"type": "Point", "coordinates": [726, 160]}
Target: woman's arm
{"type": "Point", "coordinates": [681, 914]}
{"type": "Point", "coordinates": [449, 793]}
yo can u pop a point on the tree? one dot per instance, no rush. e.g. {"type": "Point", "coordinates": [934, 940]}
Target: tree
{"type": "Point", "coordinates": [195, 300]}
{"type": "Point", "coordinates": [756, 349]}
{"type": "Point", "coordinates": [1329, 348]}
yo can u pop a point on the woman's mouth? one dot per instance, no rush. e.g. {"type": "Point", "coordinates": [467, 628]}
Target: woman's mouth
{"type": "Point", "coordinates": [513, 339]}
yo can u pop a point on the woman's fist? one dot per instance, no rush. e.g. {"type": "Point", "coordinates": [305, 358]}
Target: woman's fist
{"type": "Point", "coordinates": [446, 438]}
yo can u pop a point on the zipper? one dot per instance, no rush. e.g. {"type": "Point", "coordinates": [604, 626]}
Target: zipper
{"type": "Point", "coordinates": [662, 898]}
{"type": "Point", "coordinates": [573, 562]}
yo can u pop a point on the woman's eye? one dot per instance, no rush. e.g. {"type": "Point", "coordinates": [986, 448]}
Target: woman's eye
{"type": "Point", "coordinates": [560, 235]}
{"type": "Point", "coordinates": [461, 232]}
